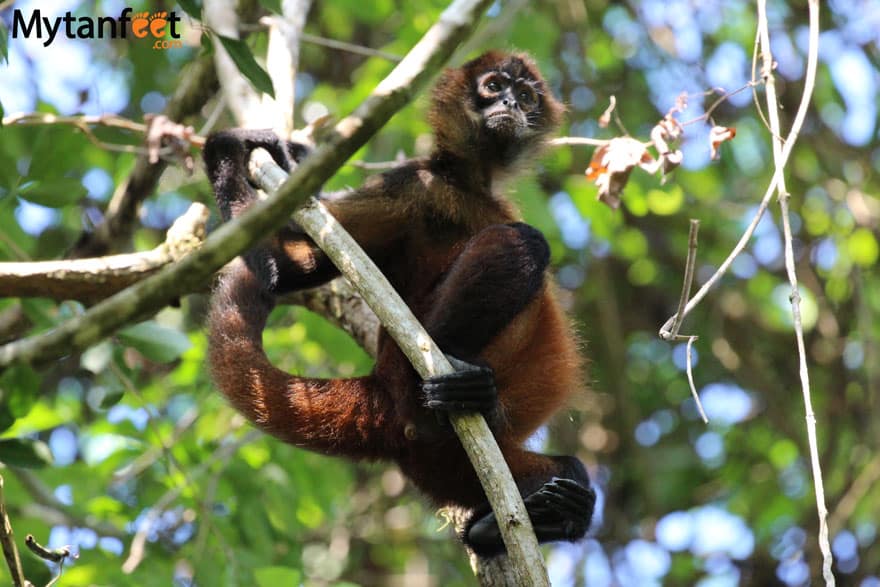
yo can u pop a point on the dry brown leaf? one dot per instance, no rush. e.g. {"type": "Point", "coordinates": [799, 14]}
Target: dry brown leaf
{"type": "Point", "coordinates": [164, 132]}
{"type": "Point", "coordinates": [718, 135]}
{"type": "Point", "coordinates": [611, 165]}
{"type": "Point", "coordinates": [664, 132]}
{"type": "Point", "coordinates": [605, 119]}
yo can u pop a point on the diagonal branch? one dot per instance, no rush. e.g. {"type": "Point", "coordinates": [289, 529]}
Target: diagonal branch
{"type": "Point", "coordinates": [193, 271]}
{"type": "Point", "coordinates": [428, 360]}
{"type": "Point", "coordinates": [7, 540]}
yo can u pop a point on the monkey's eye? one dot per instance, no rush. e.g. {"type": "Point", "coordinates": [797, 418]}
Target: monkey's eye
{"type": "Point", "coordinates": [493, 86]}
{"type": "Point", "coordinates": [526, 96]}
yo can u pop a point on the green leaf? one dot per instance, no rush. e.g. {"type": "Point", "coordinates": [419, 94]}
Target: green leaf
{"type": "Point", "coordinates": [157, 343]}
{"type": "Point", "coordinates": [111, 397]}
{"type": "Point", "coordinates": [54, 193]}
{"type": "Point", "coordinates": [192, 7]}
{"type": "Point", "coordinates": [207, 45]}
{"type": "Point", "coordinates": [4, 48]}
{"type": "Point", "coordinates": [21, 387]}
{"type": "Point", "coordinates": [244, 59]}
{"type": "Point", "coordinates": [862, 247]}
{"type": "Point", "coordinates": [24, 452]}
{"type": "Point", "coordinates": [271, 576]}
{"type": "Point", "coordinates": [6, 418]}
{"type": "Point", "coordinates": [272, 5]}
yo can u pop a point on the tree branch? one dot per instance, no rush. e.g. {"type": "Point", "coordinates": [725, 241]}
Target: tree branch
{"type": "Point", "coordinates": [7, 541]}
{"type": "Point", "coordinates": [780, 158]}
{"type": "Point", "coordinates": [91, 280]}
{"type": "Point", "coordinates": [428, 360]}
{"type": "Point", "coordinates": [197, 84]}
{"type": "Point", "coordinates": [193, 271]}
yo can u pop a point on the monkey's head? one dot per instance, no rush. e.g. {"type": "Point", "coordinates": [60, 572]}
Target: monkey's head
{"type": "Point", "coordinates": [496, 107]}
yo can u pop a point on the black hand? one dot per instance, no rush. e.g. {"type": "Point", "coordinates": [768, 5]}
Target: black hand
{"type": "Point", "coordinates": [561, 510]}
{"type": "Point", "coordinates": [471, 388]}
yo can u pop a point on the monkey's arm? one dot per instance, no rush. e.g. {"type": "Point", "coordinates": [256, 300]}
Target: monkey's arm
{"type": "Point", "coordinates": [290, 260]}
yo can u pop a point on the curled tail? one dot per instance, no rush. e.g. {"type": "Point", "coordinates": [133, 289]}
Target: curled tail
{"type": "Point", "coordinates": [348, 417]}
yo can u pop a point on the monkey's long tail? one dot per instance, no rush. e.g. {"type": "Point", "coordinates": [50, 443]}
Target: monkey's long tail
{"type": "Point", "coordinates": [347, 417]}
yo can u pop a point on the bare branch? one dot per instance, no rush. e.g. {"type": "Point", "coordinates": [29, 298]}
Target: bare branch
{"type": "Point", "coordinates": [241, 98]}
{"type": "Point", "coordinates": [338, 302]}
{"type": "Point", "coordinates": [846, 505]}
{"type": "Point", "coordinates": [577, 141]}
{"type": "Point", "coordinates": [137, 551]}
{"type": "Point", "coordinates": [54, 555]}
{"type": "Point", "coordinates": [678, 318]}
{"type": "Point", "coordinates": [780, 158]}
{"type": "Point", "coordinates": [282, 61]}
{"type": "Point", "coordinates": [428, 360]}
{"type": "Point", "coordinates": [91, 280]}
{"type": "Point", "coordinates": [198, 83]}
{"type": "Point", "coordinates": [48, 508]}
{"type": "Point", "coordinates": [349, 47]}
{"type": "Point", "coordinates": [7, 541]}
{"type": "Point", "coordinates": [82, 122]}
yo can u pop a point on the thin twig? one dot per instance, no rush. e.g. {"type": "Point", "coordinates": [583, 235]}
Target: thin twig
{"type": "Point", "coordinates": [672, 332]}
{"type": "Point", "coordinates": [690, 376]}
{"type": "Point", "coordinates": [53, 555]}
{"type": "Point", "coordinates": [687, 283]}
{"type": "Point", "coordinates": [7, 540]}
{"type": "Point", "coordinates": [137, 551]}
{"type": "Point", "coordinates": [350, 47]}
{"type": "Point", "coordinates": [80, 121]}
{"type": "Point", "coordinates": [577, 141]}
{"type": "Point", "coordinates": [84, 124]}
{"type": "Point", "coordinates": [755, 100]}
{"type": "Point", "coordinates": [45, 506]}
{"type": "Point", "coordinates": [865, 481]}
{"type": "Point", "coordinates": [721, 100]}
{"type": "Point", "coordinates": [780, 160]}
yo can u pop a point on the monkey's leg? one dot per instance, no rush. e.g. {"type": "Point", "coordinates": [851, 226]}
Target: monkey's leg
{"type": "Point", "coordinates": [498, 273]}
{"type": "Point", "coordinates": [347, 417]}
{"type": "Point", "coordinates": [560, 508]}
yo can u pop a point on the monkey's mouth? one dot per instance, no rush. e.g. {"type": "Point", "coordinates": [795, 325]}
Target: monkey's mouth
{"type": "Point", "coordinates": [502, 122]}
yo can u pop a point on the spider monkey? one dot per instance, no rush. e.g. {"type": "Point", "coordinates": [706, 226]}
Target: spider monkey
{"type": "Point", "coordinates": [453, 247]}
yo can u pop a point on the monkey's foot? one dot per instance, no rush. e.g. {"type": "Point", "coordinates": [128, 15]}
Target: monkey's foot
{"type": "Point", "coordinates": [560, 510]}
{"type": "Point", "coordinates": [470, 389]}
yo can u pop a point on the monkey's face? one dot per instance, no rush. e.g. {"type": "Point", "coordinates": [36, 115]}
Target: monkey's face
{"type": "Point", "coordinates": [496, 106]}
{"type": "Point", "coordinates": [507, 104]}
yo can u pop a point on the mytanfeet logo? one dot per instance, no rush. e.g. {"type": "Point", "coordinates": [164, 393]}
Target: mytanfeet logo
{"type": "Point", "coordinates": [161, 27]}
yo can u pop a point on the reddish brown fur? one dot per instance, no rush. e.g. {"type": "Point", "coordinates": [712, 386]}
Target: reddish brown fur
{"type": "Point", "coordinates": [414, 221]}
